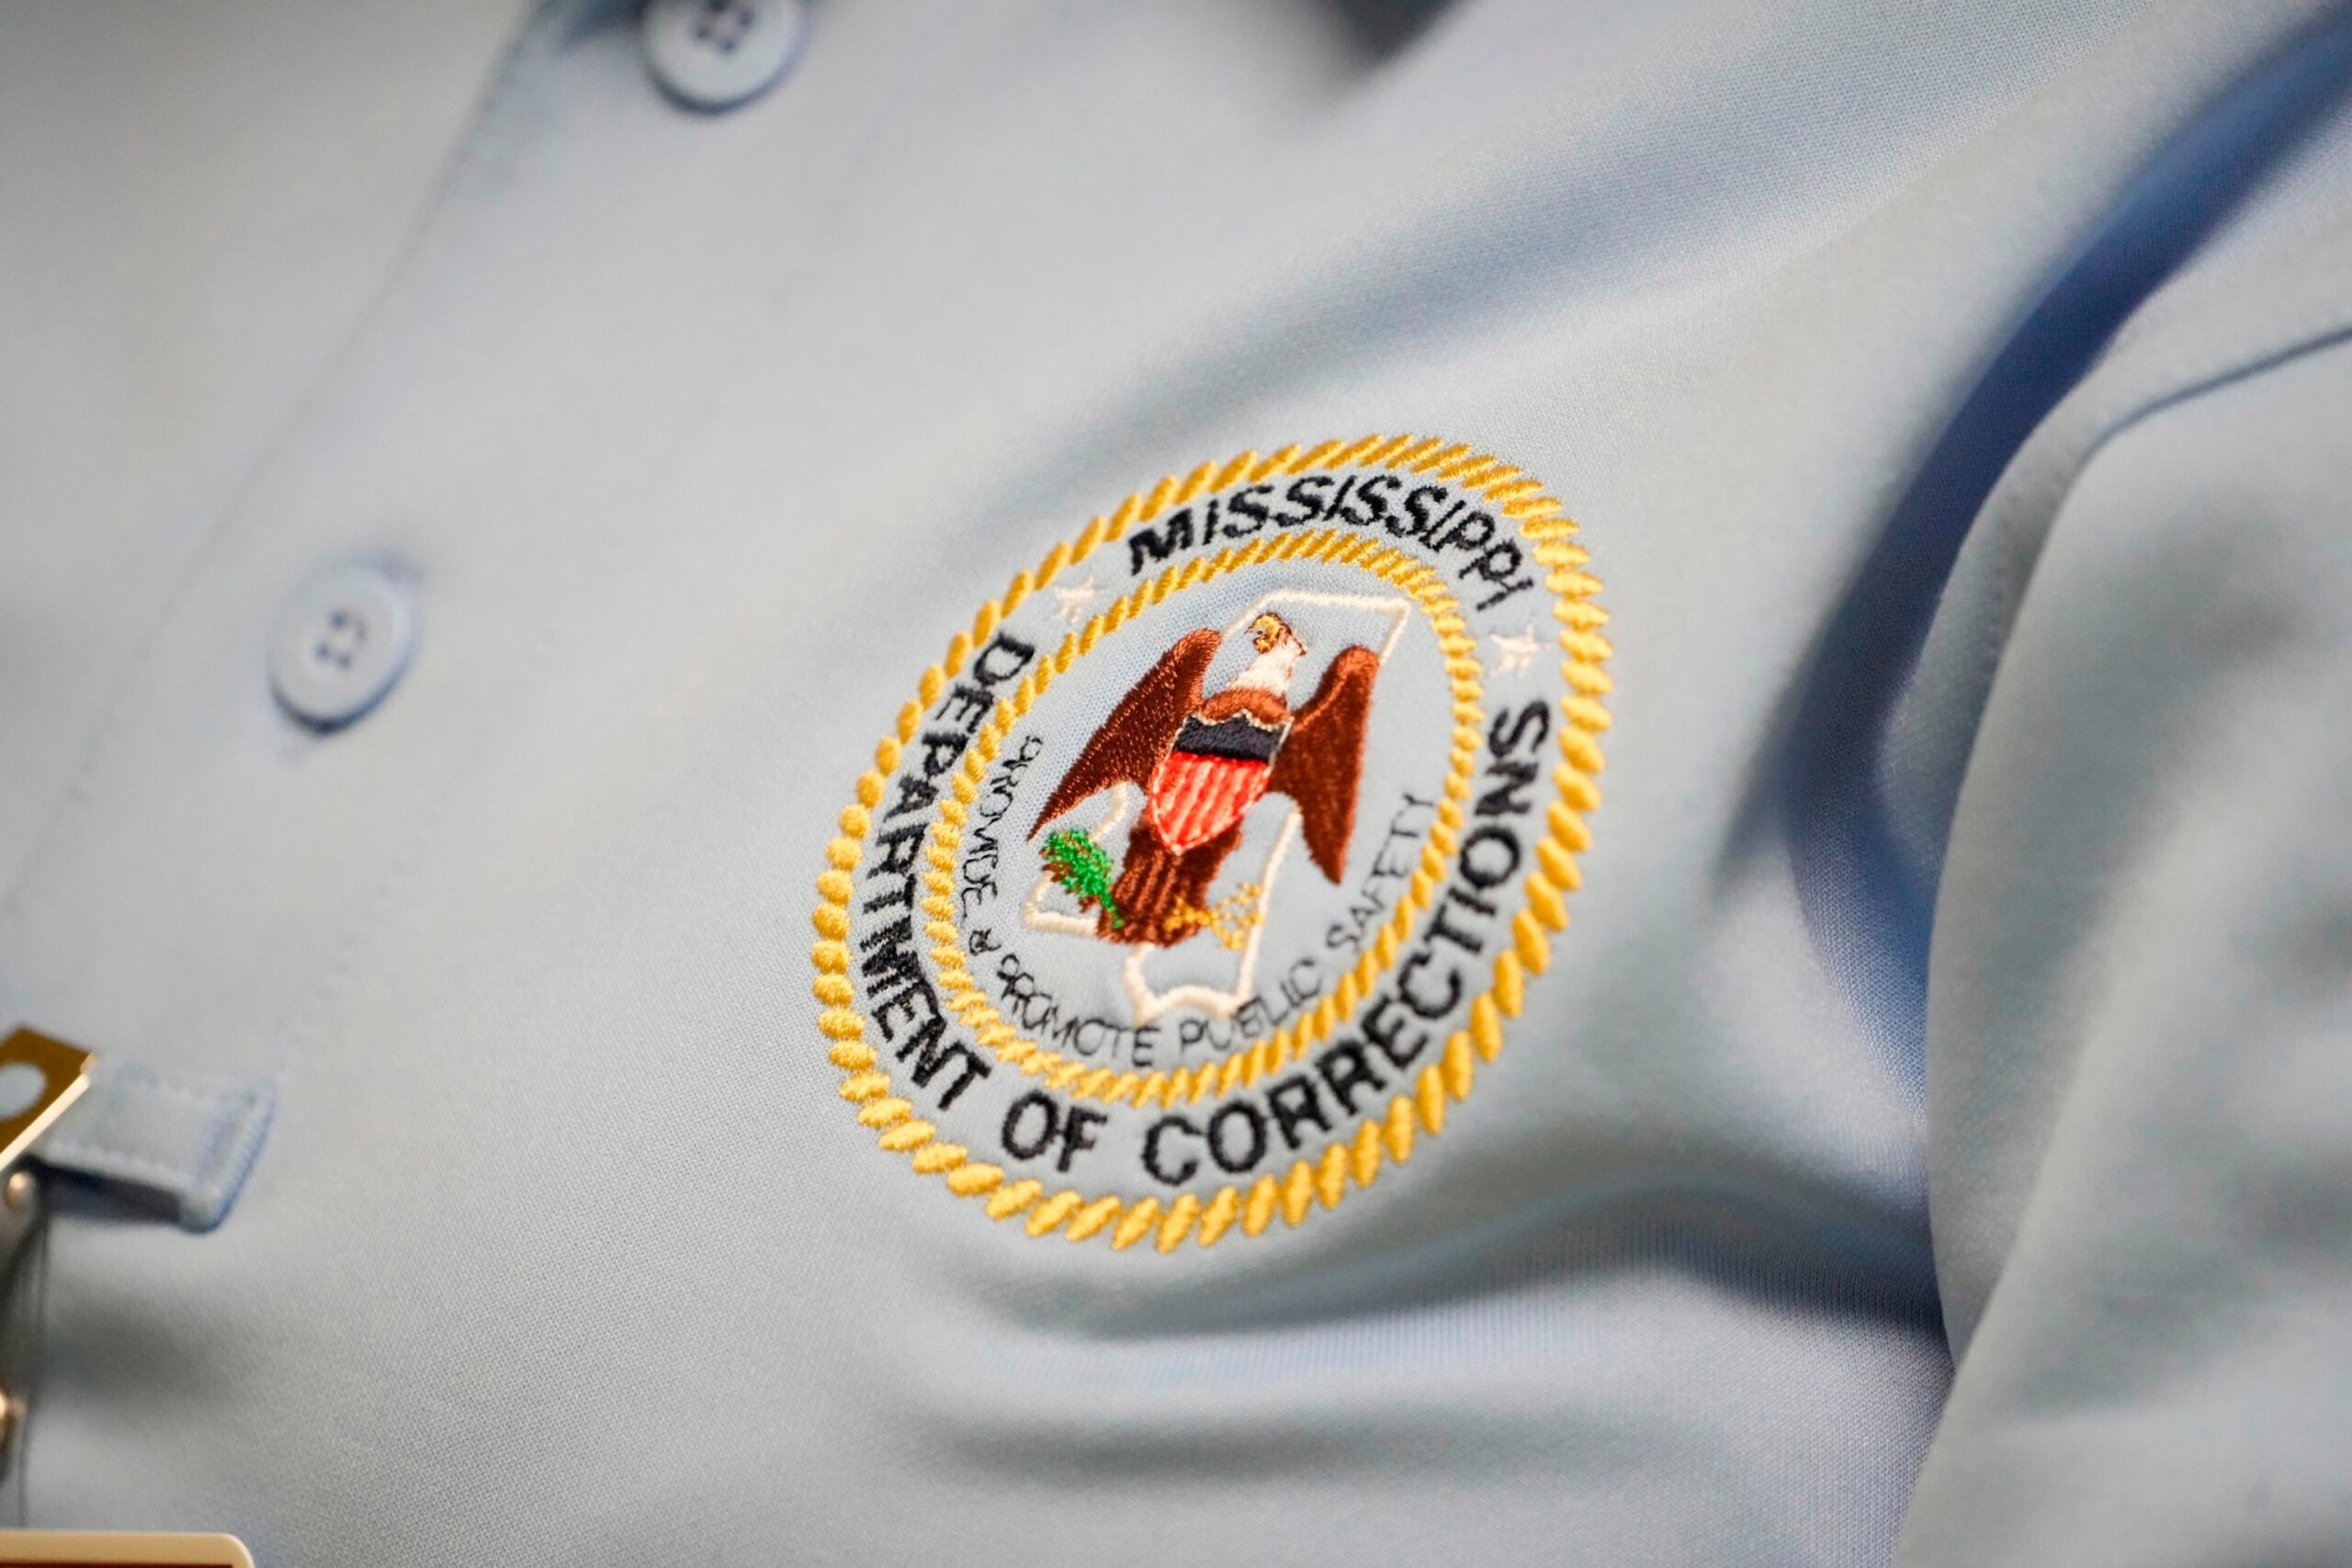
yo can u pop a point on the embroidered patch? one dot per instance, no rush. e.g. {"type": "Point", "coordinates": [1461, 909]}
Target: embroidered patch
{"type": "Point", "coordinates": [1205, 869]}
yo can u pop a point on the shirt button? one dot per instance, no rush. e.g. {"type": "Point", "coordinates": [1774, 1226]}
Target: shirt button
{"type": "Point", "coordinates": [344, 638]}
{"type": "Point", "coordinates": [714, 54]}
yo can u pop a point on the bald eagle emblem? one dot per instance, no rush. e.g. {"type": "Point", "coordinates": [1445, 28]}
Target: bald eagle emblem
{"type": "Point", "coordinates": [1201, 761]}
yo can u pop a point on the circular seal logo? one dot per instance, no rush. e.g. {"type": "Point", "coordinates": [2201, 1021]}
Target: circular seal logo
{"type": "Point", "coordinates": [1204, 871]}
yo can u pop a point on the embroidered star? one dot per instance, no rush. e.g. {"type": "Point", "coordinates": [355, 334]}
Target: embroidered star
{"type": "Point", "coordinates": [1069, 603]}
{"type": "Point", "coordinates": [1514, 654]}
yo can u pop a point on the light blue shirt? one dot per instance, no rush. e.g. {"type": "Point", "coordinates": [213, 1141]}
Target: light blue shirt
{"type": "Point", "coordinates": [1892, 1106]}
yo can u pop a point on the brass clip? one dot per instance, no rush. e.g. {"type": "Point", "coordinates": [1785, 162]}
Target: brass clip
{"type": "Point", "coordinates": [66, 1073]}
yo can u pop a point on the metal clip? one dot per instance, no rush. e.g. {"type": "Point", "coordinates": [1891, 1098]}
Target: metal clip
{"type": "Point", "coordinates": [64, 1073]}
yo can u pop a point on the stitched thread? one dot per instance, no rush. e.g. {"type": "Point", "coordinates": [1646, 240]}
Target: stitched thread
{"type": "Point", "coordinates": [223, 1144]}
{"type": "Point", "coordinates": [969, 1001]}
{"type": "Point", "coordinates": [236, 1114]}
{"type": "Point", "coordinates": [1381, 1139]}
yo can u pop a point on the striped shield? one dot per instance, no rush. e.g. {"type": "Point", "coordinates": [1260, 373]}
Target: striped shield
{"type": "Point", "coordinates": [1196, 798]}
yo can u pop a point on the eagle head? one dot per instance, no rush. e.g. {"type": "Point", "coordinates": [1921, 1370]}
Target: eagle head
{"type": "Point", "coordinates": [1279, 651]}
{"type": "Point", "coordinates": [1269, 631]}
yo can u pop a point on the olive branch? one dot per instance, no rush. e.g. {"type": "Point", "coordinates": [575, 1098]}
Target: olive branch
{"type": "Point", "coordinates": [1078, 864]}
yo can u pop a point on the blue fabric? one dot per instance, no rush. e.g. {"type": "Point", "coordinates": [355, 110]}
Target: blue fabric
{"type": "Point", "coordinates": [182, 1141]}
{"type": "Point", "coordinates": [1870, 905]}
{"type": "Point", "coordinates": [710, 432]}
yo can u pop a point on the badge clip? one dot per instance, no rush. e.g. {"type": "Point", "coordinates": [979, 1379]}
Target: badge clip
{"type": "Point", "coordinates": [66, 1073]}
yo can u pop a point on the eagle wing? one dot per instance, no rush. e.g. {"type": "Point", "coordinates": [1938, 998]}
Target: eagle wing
{"type": "Point", "coordinates": [1321, 761]}
{"type": "Point", "coordinates": [1140, 729]}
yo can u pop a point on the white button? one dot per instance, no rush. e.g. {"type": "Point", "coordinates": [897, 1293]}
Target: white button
{"type": "Point", "coordinates": [343, 639]}
{"type": "Point", "coordinates": [714, 54]}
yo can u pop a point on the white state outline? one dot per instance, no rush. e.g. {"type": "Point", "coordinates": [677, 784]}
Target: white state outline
{"type": "Point", "coordinates": [1152, 1005]}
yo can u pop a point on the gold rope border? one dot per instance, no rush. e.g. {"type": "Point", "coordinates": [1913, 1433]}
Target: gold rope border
{"type": "Point", "coordinates": [969, 1000]}
{"type": "Point", "coordinates": [1389, 1138]}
